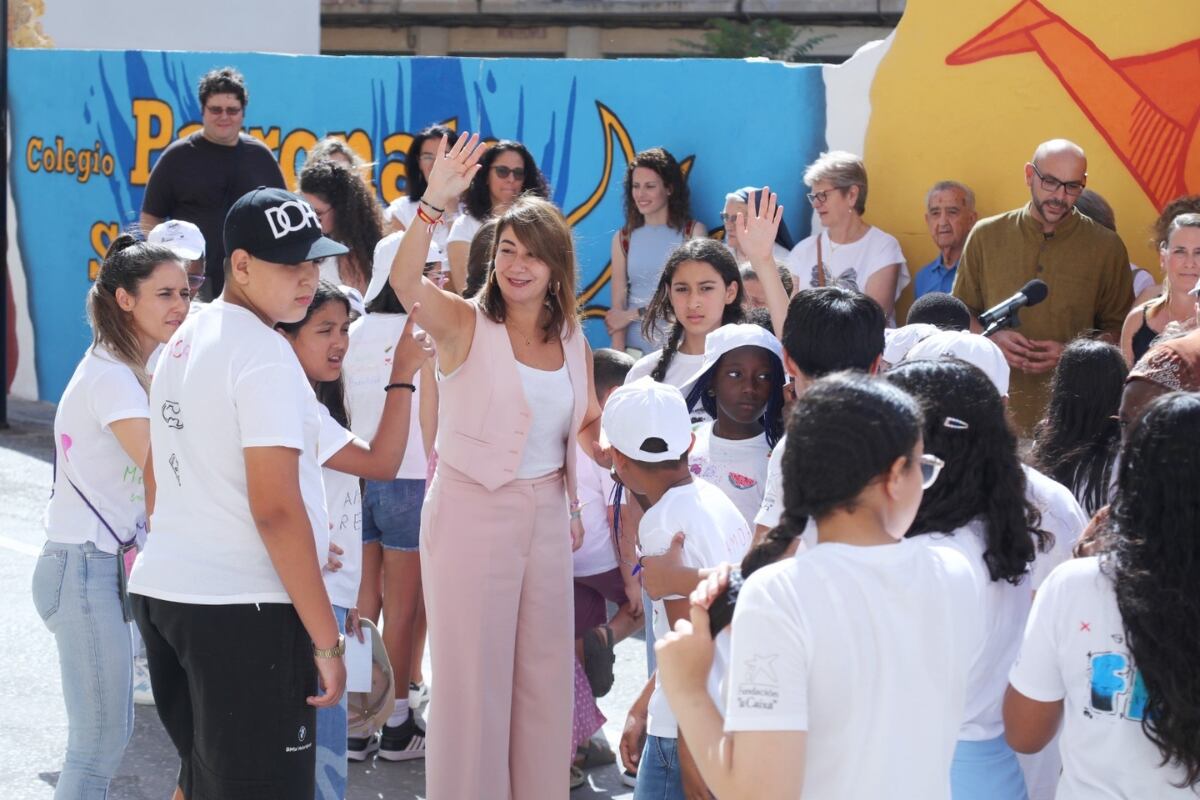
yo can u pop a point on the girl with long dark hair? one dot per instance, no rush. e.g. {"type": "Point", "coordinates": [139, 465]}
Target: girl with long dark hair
{"type": "Point", "coordinates": [658, 218]}
{"type": "Point", "coordinates": [1112, 643]}
{"type": "Point", "coordinates": [320, 341]}
{"type": "Point", "coordinates": [1076, 442]}
{"type": "Point", "coordinates": [97, 510]}
{"type": "Point", "coordinates": [699, 290]}
{"type": "Point", "coordinates": [349, 214]}
{"type": "Point", "coordinates": [849, 663]}
{"type": "Point", "coordinates": [506, 171]}
{"type": "Point", "coordinates": [981, 508]}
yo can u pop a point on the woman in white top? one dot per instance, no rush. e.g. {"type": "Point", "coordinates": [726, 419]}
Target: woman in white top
{"type": "Point", "coordinates": [846, 249]}
{"type": "Point", "coordinates": [97, 510]}
{"type": "Point", "coordinates": [506, 171]}
{"type": "Point", "coordinates": [658, 218]}
{"type": "Point", "coordinates": [981, 508]}
{"type": "Point", "coordinates": [1111, 646]}
{"type": "Point", "coordinates": [399, 215]}
{"type": "Point", "coordinates": [848, 662]}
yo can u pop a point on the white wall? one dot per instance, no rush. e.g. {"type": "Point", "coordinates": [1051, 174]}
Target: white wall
{"type": "Point", "coordinates": [269, 26]}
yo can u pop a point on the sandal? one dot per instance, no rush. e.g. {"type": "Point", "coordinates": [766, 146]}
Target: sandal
{"type": "Point", "coordinates": [599, 659]}
{"type": "Point", "coordinates": [577, 778]}
{"type": "Point", "coordinates": [595, 752]}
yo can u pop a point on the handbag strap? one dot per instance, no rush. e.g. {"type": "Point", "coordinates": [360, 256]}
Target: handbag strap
{"type": "Point", "coordinates": [88, 503]}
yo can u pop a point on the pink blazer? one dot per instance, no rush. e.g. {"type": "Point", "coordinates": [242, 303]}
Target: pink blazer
{"type": "Point", "coordinates": [483, 419]}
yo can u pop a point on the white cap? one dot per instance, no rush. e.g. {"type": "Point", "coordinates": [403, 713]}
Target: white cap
{"type": "Point", "coordinates": [646, 409]}
{"type": "Point", "coordinates": [730, 337]}
{"type": "Point", "coordinates": [356, 301]}
{"type": "Point", "coordinates": [970, 347]}
{"type": "Point", "coordinates": [898, 341]}
{"type": "Point", "coordinates": [385, 254]}
{"type": "Point", "coordinates": [182, 237]}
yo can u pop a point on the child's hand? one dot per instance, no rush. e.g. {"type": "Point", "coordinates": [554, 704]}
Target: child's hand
{"type": "Point", "coordinates": [712, 586]}
{"type": "Point", "coordinates": [633, 595]}
{"type": "Point", "coordinates": [633, 738]}
{"type": "Point", "coordinates": [332, 562]}
{"type": "Point", "coordinates": [658, 572]}
{"type": "Point", "coordinates": [685, 656]}
{"type": "Point", "coordinates": [354, 624]}
{"type": "Point", "coordinates": [576, 533]}
{"type": "Point", "coordinates": [412, 350]}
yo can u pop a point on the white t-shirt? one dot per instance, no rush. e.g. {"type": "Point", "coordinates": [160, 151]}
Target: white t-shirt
{"type": "Point", "coordinates": [1074, 650]}
{"type": "Point", "coordinates": [738, 467]}
{"type": "Point", "coordinates": [366, 369]}
{"type": "Point", "coordinates": [1004, 608]}
{"type": "Point", "coordinates": [227, 382]}
{"type": "Point", "coordinates": [101, 391]}
{"type": "Point", "coordinates": [682, 367]}
{"type": "Point", "coordinates": [1062, 516]}
{"type": "Point", "coordinates": [851, 264]}
{"type": "Point", "coordinates": [714, 532]}
{"type": "Point", "coordinates": [343, 505]}
{"type": "Point", "coordinates": [594, 486]}
{"type": "Point", "coordinates": [867, 649]}
{"type": "Point", "coordinates": [464, 228]}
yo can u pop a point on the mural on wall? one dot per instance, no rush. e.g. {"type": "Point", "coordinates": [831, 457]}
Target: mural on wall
{"type": "Point", "coordinates": [84, 145]}
{"type": "Point", "coordinates": [964, 94]}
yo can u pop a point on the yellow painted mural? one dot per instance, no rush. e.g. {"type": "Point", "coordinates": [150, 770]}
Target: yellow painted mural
{"type": "Point", "coordinates": [967, 90]}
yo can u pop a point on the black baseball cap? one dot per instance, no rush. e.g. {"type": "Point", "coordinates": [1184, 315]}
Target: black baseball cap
{"type": "Point", "coordinates": [278, 226]}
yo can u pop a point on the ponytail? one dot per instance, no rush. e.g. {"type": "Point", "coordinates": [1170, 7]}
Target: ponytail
{"type": "Point", "coordinates": [127, 263]}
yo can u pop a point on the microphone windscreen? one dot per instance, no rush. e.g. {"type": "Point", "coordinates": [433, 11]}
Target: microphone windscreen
{"type": "Point", "coordinates": [1036, 290]}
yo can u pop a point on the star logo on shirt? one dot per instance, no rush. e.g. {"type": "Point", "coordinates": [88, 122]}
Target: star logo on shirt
{"type": "Point", "coordinates": [761, 669]}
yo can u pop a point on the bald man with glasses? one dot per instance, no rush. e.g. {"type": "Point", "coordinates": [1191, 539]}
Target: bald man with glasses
{"type": "Point", "coordinates": [1085, 266]}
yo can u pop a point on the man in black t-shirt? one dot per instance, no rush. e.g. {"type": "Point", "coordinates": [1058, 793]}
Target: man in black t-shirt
{"type": "Point", "coordinates": [198, 178]}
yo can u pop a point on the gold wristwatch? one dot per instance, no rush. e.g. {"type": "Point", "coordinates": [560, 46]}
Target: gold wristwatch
{"type": "Point", "coordinates": [337, 651]}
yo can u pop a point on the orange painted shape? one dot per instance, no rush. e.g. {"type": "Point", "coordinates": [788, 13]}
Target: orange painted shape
{"type": "Point", "coordinates": [1006, 36]}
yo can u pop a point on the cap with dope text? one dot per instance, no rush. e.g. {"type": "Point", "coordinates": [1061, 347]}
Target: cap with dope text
{"type": "Point", "coordinates": [278, 226]}
{"type": "Point", "coordinates": [179, 236]}
{"type": "Point", "coordinates": [647, 421]}
{"type": "Point", "coordinates": [970, 347]}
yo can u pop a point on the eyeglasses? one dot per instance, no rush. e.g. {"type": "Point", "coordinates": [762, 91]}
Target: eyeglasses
{"type": "Point", "coordinates": [227, 111]}
{"type": "Point", "coordinates": [1051, 184]}
{"type": "Point", "coordinates": [728, 218]}
{"type": "Point", "coordinates": [426, 158]}
{"type": "Point", "coordinates": [195, 282]}
{"type": "Point", "coordinates": [503, 172]}
{"type": "Point", "coordinates": [819, 198]}
{"type": "Point", "coordinates": [931, 467]}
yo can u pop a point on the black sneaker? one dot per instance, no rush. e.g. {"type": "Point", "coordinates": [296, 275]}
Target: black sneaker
{"type": "Point", "coordinates": [359, 748]}
{"type": "Point", "coordinates": [403, 742]}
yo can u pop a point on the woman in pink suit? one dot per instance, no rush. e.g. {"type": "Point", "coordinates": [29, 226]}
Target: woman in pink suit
{"type": "Point", "coordinates": [500, 519]}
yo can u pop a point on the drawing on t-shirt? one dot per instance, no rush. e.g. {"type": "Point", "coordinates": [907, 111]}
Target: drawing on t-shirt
{"type": "Point", "coordinates": [174, 462]}
{"type": "Point", "coordinates": [66, 446]}
{"type": "Point", "coordinates": [741, 481]}
{"type": "Point", "coordinates": [171, 414]}
{"type": "Point", "coordinates": [848, 279]}
{"type": "Point", "coordinates": [180, 349]}
{"type": "Point", "coordinates": [1116, 687]}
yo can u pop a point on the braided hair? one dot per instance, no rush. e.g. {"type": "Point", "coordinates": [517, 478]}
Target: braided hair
{"type": "Point", "coordinates": [660, 310]}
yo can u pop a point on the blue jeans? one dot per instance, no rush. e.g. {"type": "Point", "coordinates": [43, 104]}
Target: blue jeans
{"type": "Point", "coordinates": [658, 775]}
{"type": "Point", "coordinates": [986, 770]}
{"type": "Point", "coordinates": [75, 593]}
{"type": "Point", "coordinates": [392, 513]}
{"type": "Point", "coordinates": [331, 740]}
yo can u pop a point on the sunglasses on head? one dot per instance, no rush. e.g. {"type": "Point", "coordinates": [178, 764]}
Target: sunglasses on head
{"type": "Point", "coordinates": [503, 172]}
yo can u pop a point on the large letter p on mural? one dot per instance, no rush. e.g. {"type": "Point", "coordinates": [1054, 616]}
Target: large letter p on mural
{"type": "Point", "coordinates": [155, 125]}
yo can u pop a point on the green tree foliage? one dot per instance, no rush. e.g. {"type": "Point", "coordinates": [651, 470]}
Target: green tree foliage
{"type": "Point", "coordinates": [766, 38]}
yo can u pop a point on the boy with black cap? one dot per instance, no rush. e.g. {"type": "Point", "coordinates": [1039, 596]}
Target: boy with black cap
{"type": "Point", "coordinates": [648, 427]}
{"type": "Point", "coordinates": [228, 592]}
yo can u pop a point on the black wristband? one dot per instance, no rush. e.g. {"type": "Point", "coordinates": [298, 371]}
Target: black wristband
{"type": "Point", "coordinates": [431, 205]}
{"type": "Point", "coordinates": [408, 386]}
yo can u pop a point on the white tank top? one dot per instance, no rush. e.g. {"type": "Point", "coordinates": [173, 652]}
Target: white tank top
{"type": "Point", "coordinates": [551, 402]}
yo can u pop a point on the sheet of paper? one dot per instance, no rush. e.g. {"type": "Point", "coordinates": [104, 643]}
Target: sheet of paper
{"type": "Point", "coordinates": [358, 664]}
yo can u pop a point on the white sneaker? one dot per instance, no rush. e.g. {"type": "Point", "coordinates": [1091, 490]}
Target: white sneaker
{"type": "Point", "coordinates": [418, 695]}
{"type": "Point", "coordinates": [143, 694]}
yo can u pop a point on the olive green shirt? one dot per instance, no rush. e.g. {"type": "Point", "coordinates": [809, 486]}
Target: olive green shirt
{"type": "Point", "coordinates": [1085, 266]}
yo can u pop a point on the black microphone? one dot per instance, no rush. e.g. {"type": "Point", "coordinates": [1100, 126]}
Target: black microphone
{"type": "Point", "coordinates": [1005, 314]}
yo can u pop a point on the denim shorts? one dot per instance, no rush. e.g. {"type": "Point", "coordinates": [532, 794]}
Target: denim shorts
{"type": "Point", "coordinates": [392, 513]}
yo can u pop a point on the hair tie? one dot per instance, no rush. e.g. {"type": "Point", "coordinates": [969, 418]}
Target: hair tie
{"type": "Point", "coordinates": [955, 424]}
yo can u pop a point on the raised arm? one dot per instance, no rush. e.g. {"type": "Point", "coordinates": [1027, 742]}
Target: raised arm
{"type": "Point", "coordinates": [380, 460]}
{"type": "Point", "coordinates": [757, 229]}
{"type": "Point", "coordinates": [448, 318]}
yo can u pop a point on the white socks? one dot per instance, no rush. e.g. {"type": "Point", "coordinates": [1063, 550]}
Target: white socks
{"type": "Point", "coordinates": [399, 713]}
